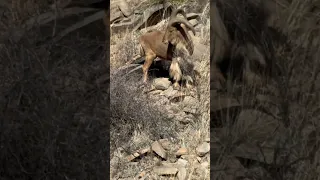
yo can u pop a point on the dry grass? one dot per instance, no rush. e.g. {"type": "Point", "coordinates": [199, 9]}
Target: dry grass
{"type": "Point", "coordinates": [126, 42]}
{"type": "Point", "coordinates": [135, 123]}
{"type": "Point", "coordinates": [53, 115]}
{"type": "Point", "coordinates": [294, 101]}
{"type": "Point", "coordinates": [137, 120]}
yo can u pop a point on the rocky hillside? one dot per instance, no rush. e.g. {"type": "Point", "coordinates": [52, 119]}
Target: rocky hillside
{"type": "Point", "coordinates": [158, 132]}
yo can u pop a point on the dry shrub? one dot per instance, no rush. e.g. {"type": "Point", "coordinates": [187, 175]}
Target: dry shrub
{"type": "Point", "coordinates": [132, 110]}
{"type": "Point", "coordinates": [123, 48]}
{"type": "Point", "coordinates": [135, 122]}
{"type": "Point", "coordinates": [54, 117]}
{"type": "Point", "coordinates": [293, 100]}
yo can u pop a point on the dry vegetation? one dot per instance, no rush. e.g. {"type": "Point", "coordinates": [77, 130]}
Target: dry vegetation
{"type": "Point", "coordinates": [53, 115]}
{"type": "Point", "coordinates": [138, 119]}
{"type": "Point", "coordinates": [276, 136]}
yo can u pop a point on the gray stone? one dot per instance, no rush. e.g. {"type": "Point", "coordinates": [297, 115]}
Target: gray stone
{"type": "Point", "coordinates": [162, 170]}
{"type": "Point", "coordinates": [161, 83]}
{"type": "Point", "coordinates": [194, 22]}
{"type": "Point", "coordinates": [158, 149]}
{"type": "Point", "coordinates": [125, 8]}
{"type": "Point", "coordinates": [203, 149]}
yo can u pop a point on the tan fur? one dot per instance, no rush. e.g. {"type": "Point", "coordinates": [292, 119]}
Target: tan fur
{"type": "Point", "coordinates": [175, 72]}
{"type": "Point", "coordinates": [163, 44]}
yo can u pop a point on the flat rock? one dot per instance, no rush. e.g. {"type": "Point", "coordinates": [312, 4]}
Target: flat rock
{"type": "Point", "coordinates": [138, 153]}
{"type": "Point", "coordinates": [163, 170]}
{"type": "Point", "coordinates": [182, 162]}
{"type": "Point", "coordinates": [190, 104]}
{"type": "Point", "coordinates": [182, 174]}
{"type": "Point", "coordinates": [158, 149]}
{"type": "Point", "coordinates": [165, 143]}
{"type": "Point", "coordinates": [169, 92]}
{"type": "Point", "coordinates": [190, 158]}
{"type": "Point", "coordinates": [194, 22]}
{"type": "Point", "coordinates": [115, 16]}
{"type": "Point", "coordinates": [125, 8]}
{"type": "Point", "coordinates": [189, 109]}
{"type": "Point", "coordinates": [182, 151]}
{"type": "Point", "coordinates": [161, 83]}
{"type": "Point", "coordinates": [190, 101]}
{"type": "Point", "coordinates": [203, 149]}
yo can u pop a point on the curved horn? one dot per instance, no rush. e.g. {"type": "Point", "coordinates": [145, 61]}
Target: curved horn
{"type": "Point", "coordinates": [184, 21]}
{"type": "Point", "coordinates": [178, 11]}
{"type": "Point", "coordinates": [187, 39]}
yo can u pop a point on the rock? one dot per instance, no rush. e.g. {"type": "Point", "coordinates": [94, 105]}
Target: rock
{"type": "Point", "coordinates": [192, 110]}
{"type": "Point", "coordinates": [169, 92]}
{"type": "Point", "coordinates": [158, 149]}
{"type": "Point", "coordinates": [194, 22]}
{"type": "Point", "coordinates": [169, 164]}
{"type": "Point", "coordinates": [190, 104]}
{"type": "Point", "coordinates": [182, 151]}
{"type": "Point", "coordinates": [203, 149]}
{"type": "Point", "coordinates": [142, 175]}
{"type": "Point", "coordinates": [144, 150]}
{"type": "Point", "coordinates": [155, 92]}
{"type": "Point", "coordinates": [132, 157]}
{"type": "Point", "coordinates": [125, 8]}
{"type": "Point", "coordinates": [204, 173]}
{"type": "Point", "coordinates": [182, 174]}
{"type": "Point", "coordinates": [190, 158]}
{"type": "Point", "coordinates": [115, 17]}
{"type": "Point", "coordinates": [199, 49]}
{"type": "Point", "coordinates": [171, 158]}
{"type": "Point", "coordinates": [161, 83]}
{"type": "Point", "coordinates": [192, 16]}
{"type": "Point", "coordinates": [205, 164]}
{"type": "Point", "coordinates": [182, 162]}
{"type": "Point", "coordinates": [138, 153]}
{"type": "Point", "coordinates": [162, 170]}
{"type": "Point", "coordinates": [165, 143]}
{"type": "Point", "coordinates": [190, 101]}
